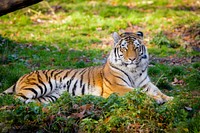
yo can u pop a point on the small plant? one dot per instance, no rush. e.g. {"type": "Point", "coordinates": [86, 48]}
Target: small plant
{"type": "Point", "coordinates": [161, 39]}
{"type": "Point", "coordinates": [174, 44]}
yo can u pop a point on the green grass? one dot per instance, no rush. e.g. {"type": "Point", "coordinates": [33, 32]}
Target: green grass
{"type": "Point", "coordinates": [78, 35]}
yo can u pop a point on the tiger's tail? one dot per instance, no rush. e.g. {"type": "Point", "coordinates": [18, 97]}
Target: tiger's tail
{"type": "Point", "coordinates": [10, 90]}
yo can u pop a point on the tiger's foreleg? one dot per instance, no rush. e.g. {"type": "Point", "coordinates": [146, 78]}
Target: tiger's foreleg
{"type": "Point", "coordinates": [153, 91]}
{"type": "Point", "coordinates": [51, 97]}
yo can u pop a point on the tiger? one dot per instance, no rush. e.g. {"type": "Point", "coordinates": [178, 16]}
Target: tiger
{"type": "Point", "coordinates": [124, 70]}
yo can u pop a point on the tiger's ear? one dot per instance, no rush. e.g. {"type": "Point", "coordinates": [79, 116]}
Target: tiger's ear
{"type": "Point", "coordinates": [140, 33]}
{"type": "Point", "coordinates": [116, 37]}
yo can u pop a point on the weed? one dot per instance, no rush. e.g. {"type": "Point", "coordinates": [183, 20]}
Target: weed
{"type": "Point", "coordinates": [160, 39]}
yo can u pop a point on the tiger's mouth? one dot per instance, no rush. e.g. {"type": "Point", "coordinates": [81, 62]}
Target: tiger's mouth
{"type": "Point", "coordinates": [134, 62]}
{"type": "Point", "coordinates": [130, 63]}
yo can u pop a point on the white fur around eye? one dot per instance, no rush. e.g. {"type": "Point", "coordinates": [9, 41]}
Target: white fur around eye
{"type": "Point", "coordinates": [136, 43]}
{"type": "Point", "coordinates": [124, 44]}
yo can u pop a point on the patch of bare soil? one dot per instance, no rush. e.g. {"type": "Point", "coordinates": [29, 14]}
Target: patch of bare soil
{"type": "Point", "coordinates": [174, 60]}
{"type": "Point", "coordinates": [189, 36]}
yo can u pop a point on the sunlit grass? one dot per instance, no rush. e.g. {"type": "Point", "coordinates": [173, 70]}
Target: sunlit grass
{"type": "Point", "coordinates": [78, 35]}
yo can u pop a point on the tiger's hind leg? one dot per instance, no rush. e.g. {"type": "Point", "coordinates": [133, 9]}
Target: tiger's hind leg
{"type": "Point", "coordinates": [24, 98]}
{"type": "Point", "coordinates": [43, 99]}
{"type": "Point", "coordinates": [28, 97]}
{"type": "Point", "coordinates": [48, 98]}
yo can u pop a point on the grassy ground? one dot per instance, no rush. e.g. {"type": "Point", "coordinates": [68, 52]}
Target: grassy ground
{"type": "Point", "coordinates": [75, 34]}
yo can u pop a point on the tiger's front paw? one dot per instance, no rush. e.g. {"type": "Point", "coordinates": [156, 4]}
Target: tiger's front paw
{"type": "Point", "coordinates": [162, 99]}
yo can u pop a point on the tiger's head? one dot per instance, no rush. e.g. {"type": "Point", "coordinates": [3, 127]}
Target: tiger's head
{"type": "Point", "coordinates": [129, 50]}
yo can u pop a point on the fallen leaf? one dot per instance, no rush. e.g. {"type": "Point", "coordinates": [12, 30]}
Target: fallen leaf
{"type": "Point", "coordinates": [45, 110]}
{"type": "Point", "coordinates": [7, 107]}
{"type": "Point", "coordinates": [177, 82]}
{"type": "Point", "coordinates": [134, 126]}
{"type": "Point", "coordinates": [186, 129]}
{"type": "Point", "coordinates": [77, 115]}
{"type": "Point", "coordinates": [86, 107]}
{"type": "Point", "coordinates": [160, 124]}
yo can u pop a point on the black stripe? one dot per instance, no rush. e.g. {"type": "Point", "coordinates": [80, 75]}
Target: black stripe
{"type": "Point", "coordinates": [51, 86]}
{"type": "Point", "coordinates": [120, 84]}
{"type": "Point", "coordinates": [107, 85]}
{"type": "Point", "coordinates": [58, 73]}
{"type": "Point", "coordinates": [81, 81]}
{"type": "Point", "coordinates": [45, 90]}
{"type": "Point", "coordinates": [31, 79]}
{"type": "Point", "coordinates": [54, 97]}
{"type": "Point", "coordinates": [32, 90]}
{"type": "Point", "coordinates": [68, 85]}
{"type": "Point", "coordinates": [22, 95]}
{"type": "Point", "coordinates": [51, 75]}
{"type": "Point", "coordinates": [74, 88]}
{"type": "Point", "coordinates": [23, 77]}
{"type": "Point", "coordinates": [14, 88]}
{"type": "Point", "coordinates": [38, 76]}
{"type": "Point", "coordinates": [89, 78]}
{"type": "Point", "coordinates": [55, 77]}
{"type": "Point", "coordinates": [93, 76]}
{"type": "Point", "coordinates": [41, 89]}
{"type": "Point", "coordinates": [115, 51]}
{"type": "Point", "coordinates": [101, 74]}
{"type": "Point", "coordinates": [42, 82]}
{"type": "Point", "coordinates": [81, 78]}
{"type": "Point", "coordinates": [83, 71]}
{"type": "Point", "coordinates": [123, 73]}
{"type": "Point", "coordinates": [107, 80]}
{"type": "Point", "coordinates": [52, 100]}
{"type": "Point", "coordinates": [46, 74]}
{"type": "Point", "coordinates": [120, 50]}
{"type": "Point", "coordinates": [39, 100]}
{"type": "Point", "coordinates": [118, 53]}
{"type": "Point", "coordinates": [120, 78]}
{"type": "Point", "coordinates": [83, 90]}
{"type": "Point", "coordinates": [30, 75]}
{"type": "Point", "coordinates": [123, 80]}
{"type": "Point", "coordinates": [70, 81]}
{"type": "Point", "coordinates": [43, 98]}
{"type": "Point", "coordinates": [72, 78]}
{"type": "Point", "coordinates": [26, 76]}
{"type": "Point", "coordinates": [142, 81]}
{"type": "Point", "coordinates": [53, 72]}
{"type": "Point", "coordinates": [60, 80]}
{"type": "Point", "coordinates": [67, 73]}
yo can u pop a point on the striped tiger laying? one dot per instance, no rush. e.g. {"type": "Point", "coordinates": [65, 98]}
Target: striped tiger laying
{"type": "Point", "coordinates": [125, 69]}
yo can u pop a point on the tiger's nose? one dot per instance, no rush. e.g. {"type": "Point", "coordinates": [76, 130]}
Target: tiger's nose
{"type": "Point", "coordinates": [132, 59]}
